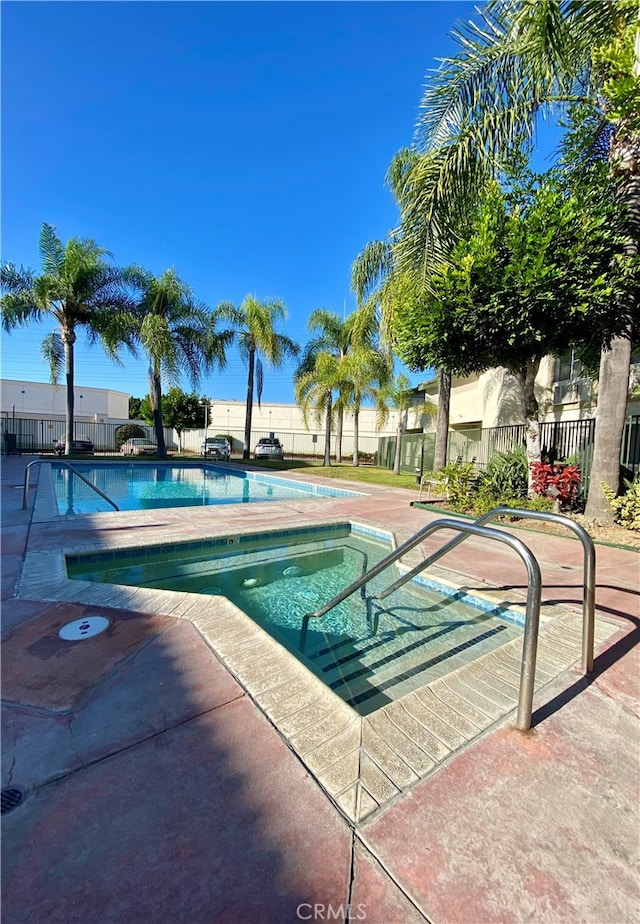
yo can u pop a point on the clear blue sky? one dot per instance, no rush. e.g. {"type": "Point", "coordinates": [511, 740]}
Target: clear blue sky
{"type": "Point", "coordinates": [244, 144]}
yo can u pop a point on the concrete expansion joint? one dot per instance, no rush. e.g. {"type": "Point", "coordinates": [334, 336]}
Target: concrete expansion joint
{"type": "Point", "coordinates": [619, 702]}
{"type": "Point", "coordinates": [378, 861]}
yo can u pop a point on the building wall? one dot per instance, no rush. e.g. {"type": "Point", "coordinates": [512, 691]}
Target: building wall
{"type": "Point", "coordinates": [492, 399]}
{"type": "Point", "coordinates": [43, 400]}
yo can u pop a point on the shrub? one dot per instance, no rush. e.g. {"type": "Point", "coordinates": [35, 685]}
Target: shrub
{"type": "Point", "coordinates": [626, 508]}
{"type": "Point", "coordinates": [506, 475]}
{"type": "Point", "coordinates": [128, 432]}
{"type": "Point", "coordinates": [462, 484]}
{"type": "Point", "coordinates": [485, 502]}
{"type": "Point", "coordinates": [549, 479]}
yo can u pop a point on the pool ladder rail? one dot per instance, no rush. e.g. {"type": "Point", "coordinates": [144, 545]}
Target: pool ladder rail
{"type": "Point", "coordinates": [534, 587]}
{"type": "Point", "coordinates": [25, 490]}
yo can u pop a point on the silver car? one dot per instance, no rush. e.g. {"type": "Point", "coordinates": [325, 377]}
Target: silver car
{"type": "Point", "coordinates": [269, 447]}
{"type": "Point", "coordinates": [217, 447]}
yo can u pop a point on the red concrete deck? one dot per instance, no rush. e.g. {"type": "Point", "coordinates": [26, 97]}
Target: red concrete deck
{"type": "Point", "coordinates": [157, 791]}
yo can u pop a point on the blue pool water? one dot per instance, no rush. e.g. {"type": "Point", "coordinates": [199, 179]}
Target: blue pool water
{"type": "Point", "coordinates": [368, 651]}
{"type": "Point", "coordinates": [147, 485]}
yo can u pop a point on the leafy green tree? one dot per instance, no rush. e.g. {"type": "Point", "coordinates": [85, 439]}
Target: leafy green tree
{"type": "Point", "coordinates": [524, 59]}
{"type": "Point", "coordinates": [533, 276]}
{"type": "Point", "coordinates": [77, 290]}
{"type": "Point", "coordinates": [134, 408]}
{"type": "Point", "coordinates": [258, 340]}
{"type": "Point", "coordinates": [178, 334]}
{"type": "Point", "coordinates": [183, 411]}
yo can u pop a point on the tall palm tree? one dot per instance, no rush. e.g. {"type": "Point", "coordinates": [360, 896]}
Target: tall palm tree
{"type": "Point", "coordinates": [77, 289]}
{"type": "Point", "coordinates": [316, 379]}
{"type": "Point", "coordinates": [177, 334]}
{"type": "Point", "coordinates": [397, 395]}
{"type": "Point", "coordinates": [378, 283]}
{"type": "Point", "coordinates": [366, 372]}
{"type": "Point", "coordinates": [524, 59]}
{"type": "Point", "coordinates": [258, 340]}
{"type": "Point", "coordinates": [333, 335]}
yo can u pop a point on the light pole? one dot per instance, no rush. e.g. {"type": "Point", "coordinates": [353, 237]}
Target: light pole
{"type": "Point", "coordinates": [205, 405]}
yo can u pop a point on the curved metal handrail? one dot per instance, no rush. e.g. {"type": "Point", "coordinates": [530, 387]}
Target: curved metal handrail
{"type": "Point", "coordinates": [534, 595]}
{"type": "Point", "coordinates": [25, 490]}
{"type": "Point", "coordinates": [589, 569]}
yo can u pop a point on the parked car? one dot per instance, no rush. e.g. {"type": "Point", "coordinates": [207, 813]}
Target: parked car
{"type": "Point", "coordinates": [78, 446]}
{"type": "Point", "coordinates": [269, 447]}
{"type": "Point", "coordinates": [138, 447]}
{"type": "Point", "coordinates": [217, 447]}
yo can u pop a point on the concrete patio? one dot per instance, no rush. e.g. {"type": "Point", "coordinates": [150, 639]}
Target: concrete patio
{"type": "Point", "coordinates": [160, 786]}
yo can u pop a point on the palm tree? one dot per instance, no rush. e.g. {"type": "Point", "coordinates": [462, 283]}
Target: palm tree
{"type": "Point", "coordinates": [366, 373]}
{"type": "Point", "coordinates": [524, 59]}
{"type": "Point", "coordinates": [316, 378]}
{"type": "Point", "coordinates": [397, 394]}
{"type": "Point", "coordinates": [258, 340]}
{"type": "Point", "coordinates": [333, 335]}
{"type": "Point", "coordinates": [176, 332]}
{"type": "Point", "coordinates": [77, 289]}
{"type": "Point", "coordinates": [378, 284]}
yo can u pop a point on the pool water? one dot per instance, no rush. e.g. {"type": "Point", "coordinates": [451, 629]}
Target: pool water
{"type": "Point", "coordinates": [149, 485]}
{"type": "Point", "coordinates": [368, 651]}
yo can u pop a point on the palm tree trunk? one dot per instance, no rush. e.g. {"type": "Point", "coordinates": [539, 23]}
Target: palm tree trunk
{"type": "Point", "coordinates": [155, 396]}
{"type": "Point", "coordinates": [442, 420]}
{"type": "Point", "coordinates": [402, 423]}
{"type": "Point", "coordinates": [68, 339]}
{"type": "Point", "coordinates": [356, 434]}
{"type": "Point", "coordinates": [339, 426]}
{"type": "Point", "coordinates": [246, 449]}
{"type": "Point", "coordinates": [327, 434]}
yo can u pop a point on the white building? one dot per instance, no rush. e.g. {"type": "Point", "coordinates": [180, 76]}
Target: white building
{"type": "Point", "coordinates": [41, 404]}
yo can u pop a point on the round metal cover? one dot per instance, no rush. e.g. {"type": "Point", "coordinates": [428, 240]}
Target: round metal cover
{"type": "Point", "coordinates": [84, 628]}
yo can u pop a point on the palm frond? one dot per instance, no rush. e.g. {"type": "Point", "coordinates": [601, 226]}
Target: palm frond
{"type": "Point", "coordinates": [259, 380]}
{"type": "Point", "coordinates": [52, 352]}
{"type": "Point", "coordinates": [51, 249]}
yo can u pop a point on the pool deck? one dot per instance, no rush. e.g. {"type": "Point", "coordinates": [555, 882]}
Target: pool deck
{"type": "Point", "coordinates": [159, 788]}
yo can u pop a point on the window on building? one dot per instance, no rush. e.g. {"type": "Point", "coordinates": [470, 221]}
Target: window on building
{"type": "Point", "coordinates": [567, 367]}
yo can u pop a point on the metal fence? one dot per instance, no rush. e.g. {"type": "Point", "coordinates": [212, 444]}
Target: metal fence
{"type": "Point", "coordinates": [31, 435]}
{"type": "Point", "coordinates": [567, 440]}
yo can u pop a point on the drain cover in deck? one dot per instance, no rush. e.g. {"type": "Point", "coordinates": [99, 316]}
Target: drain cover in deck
{"type": "Point", "coordinates": [11, 798]}
{"type": "Point", "coordinates": [84, 628]}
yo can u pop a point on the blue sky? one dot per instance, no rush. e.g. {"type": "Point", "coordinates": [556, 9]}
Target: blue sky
{"type": "Point", "coordinates": [244, 144]}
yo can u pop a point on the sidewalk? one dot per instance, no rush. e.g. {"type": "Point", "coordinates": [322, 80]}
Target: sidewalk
{"type": "Point", "coordinates": [158, 791]}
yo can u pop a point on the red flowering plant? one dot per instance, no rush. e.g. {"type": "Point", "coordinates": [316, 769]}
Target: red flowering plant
{"type": "Point", "coordinates": [558, 480]}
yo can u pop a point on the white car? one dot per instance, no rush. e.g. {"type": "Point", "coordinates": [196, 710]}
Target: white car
{"type": "Point", "coordinates": [269, 447]}
{"type": "Point", "coordinates": [217, 447]}
{"type": "Point", "coordinates": [138, 447]}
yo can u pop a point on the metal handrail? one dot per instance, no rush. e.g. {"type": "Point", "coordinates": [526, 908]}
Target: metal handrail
{"type": "Point", "coordinates": [589, 569]}
{"type": "Point", "coordinates": [534, 595]}
{"type": "Point", "coordinates": [25, 490]}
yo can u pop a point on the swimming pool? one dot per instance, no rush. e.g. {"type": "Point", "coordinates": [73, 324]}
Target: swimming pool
{"type": "Point", "coordinates": [149, 485]}
{"type": "Point", "coordinates": [368, 652]}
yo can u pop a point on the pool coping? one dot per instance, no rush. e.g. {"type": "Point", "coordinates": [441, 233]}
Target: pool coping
{"type": "Point", "coordinates": [363, 763]}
